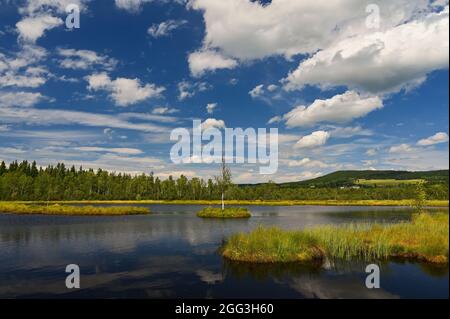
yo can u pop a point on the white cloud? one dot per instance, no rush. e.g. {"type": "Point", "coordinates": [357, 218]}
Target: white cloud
{"type": "Point", "coordinates": [21, 69]}
{"type": "Point", "coordinates": [211, 107]}
{"type": "Point", "coordinates": [32, 28]}
{"type": "Point", "coordinates": [131, 5]}
{"type": "Point", "coordinates": [338, 109]}
{"type": "Point", "coordinates": [275, 119]}
{"type": "Point", "coordinates": [437, 138]}
{"type": "Point", "coordinates": [64, 117]}
{"type": "Point", "coordinates": [384, 61]}
{"type": "Point", "coordinates": [13, 79]}
{"type": "Point", "coordinates": [350, 131]}
{"type": "Point", "coordinates": [257, 91]}
{"type": "Point", "coordinates": [188, 89]}
{"type": "Point", "coordinates": [272, 87]}
{"type": "Point", "coordinates": [246, 29]}
{"type": "Point", "coordinates": [20, 99]}
{"type": "Point", "coordinates": [208, 60]}
{"type": "Point", "coordinates": [371, 152]}
{"type": "Point", "coordinates": [84, 59]}
{"type": "Point", "coordinates": [128, 151]}
{"type": "Point", "coordinates": [308, 163]}
{"type": "Point", "coordinates": [402, 148]}
{"type": "Point", "coordinates": [164, 110]}
{"type": "Point", "coordinates": [33, 7]}
{"type": "Point", "coordinates": [165, 28]}
{"type": "Point", "coordinates": [123, 91]}
{"type": "Point", "coordinates": [315, 139]}
{"type": "Point", "coordinates": [4, 128]}
{"type": "Point", "coordinates": [212, 123]}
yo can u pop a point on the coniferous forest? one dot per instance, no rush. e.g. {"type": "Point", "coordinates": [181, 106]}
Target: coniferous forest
{"type": "Point", "coordinates": [27, 181]}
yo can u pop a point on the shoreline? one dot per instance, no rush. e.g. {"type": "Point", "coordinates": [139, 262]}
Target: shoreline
{"type": "Point", "coordinates": [375, 203]}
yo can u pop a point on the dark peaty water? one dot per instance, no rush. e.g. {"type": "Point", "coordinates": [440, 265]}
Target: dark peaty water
{"type": "Point", "coordinates": [173, 254]}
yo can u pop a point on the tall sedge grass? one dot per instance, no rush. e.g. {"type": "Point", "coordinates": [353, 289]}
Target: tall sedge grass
{"type": "Point", "coordinates": [425, 238]}
{"type": "Point", "coordinates": [229, 212]}
{"type": "Point", "coordinates": [71, 210]}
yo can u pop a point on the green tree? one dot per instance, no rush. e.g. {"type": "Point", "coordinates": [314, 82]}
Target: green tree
{"type": "Point", "coordinates": [421, 196]}
{"type": "Point", "coordinates": [223, 180]}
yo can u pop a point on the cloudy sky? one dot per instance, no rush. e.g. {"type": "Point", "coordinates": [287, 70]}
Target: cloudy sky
{"type": "Point", "coordinates": [350, 84]}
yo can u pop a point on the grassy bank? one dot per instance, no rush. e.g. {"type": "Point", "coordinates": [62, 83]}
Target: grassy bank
{"type": "Point", "coordinates": [425, 238]}
{"type": "Point", "coordinates": [229, 212]}
{"type": "Point", "coordinates": [406, 202]}
{"type": "Point", "coordinates": [56, 209]}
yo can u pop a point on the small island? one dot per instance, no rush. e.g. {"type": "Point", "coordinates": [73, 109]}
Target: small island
{"type": "Point", "coordinates": [229, 212]}
{"type": "Point", "coordinates": [423, 239]}
{"type": "Point", "coordinates": [57, 209]}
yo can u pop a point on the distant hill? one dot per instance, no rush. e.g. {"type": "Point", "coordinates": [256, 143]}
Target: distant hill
{"type": "Point", "coordinates": [349, 178]}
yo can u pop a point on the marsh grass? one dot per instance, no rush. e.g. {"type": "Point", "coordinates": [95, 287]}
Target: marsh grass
{"type": "Point", "coordinates": [229, 212]}
{"type": "Point", "coordinates": [57, 209]}
{"type": "Point", "coordinates": [425, 238]}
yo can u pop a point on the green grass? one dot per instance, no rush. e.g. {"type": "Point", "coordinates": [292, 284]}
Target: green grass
{"type": "Point", "coordinates": [229, 212]}
{"type": "Point", "coordinates": [405, 202]}
{"type": "Point", "coordinates": [425, 238]}
{"type": "Point", "coordinates": [388, 182]}
{"type": "Point", "coordinates": [57, 209]}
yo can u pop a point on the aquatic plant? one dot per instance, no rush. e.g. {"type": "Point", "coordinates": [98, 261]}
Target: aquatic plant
{"type": "Point", "coordinates": [84, 210]}
{"type": "Point", "coordinates": [425, 238]}
{"type": "Point", "coordinates": [229, 212]}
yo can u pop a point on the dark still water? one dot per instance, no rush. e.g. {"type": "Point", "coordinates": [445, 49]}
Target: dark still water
{"type": "Point", "coordinates": [173, 254]}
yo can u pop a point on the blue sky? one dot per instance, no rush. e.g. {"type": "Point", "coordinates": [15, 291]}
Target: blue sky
{"type": "Point", "coordinates": [344, 91]}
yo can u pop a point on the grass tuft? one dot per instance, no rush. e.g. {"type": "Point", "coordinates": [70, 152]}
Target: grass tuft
{"type": "Point", "coordinates": [229, 212]}
{"type": "Point", "coordinates": [57, 209]}
{"type": "Point", "coordinates": [425, 238]}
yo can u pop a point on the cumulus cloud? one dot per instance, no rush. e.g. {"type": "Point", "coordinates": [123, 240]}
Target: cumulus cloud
{"type": "Point", "coordinates": [290, 27]}
{"type": "Point", "coordinates": [212, 123]}
{"type": "Point", "coordinates": [20, 99]}
{"type": "Point", "coordinates": [32, 28]}
{"type": "Point", "coordinates": [211, 107]}
{"type": "Point", "coordinates": [84, 59]}
{"type": "Point", "coordinates": [123, 91]}
{"type": "Point", "coordinates": [21, 69]}
{"type": "Point", "coordinates": [338, 109]}
{"type": "Point", "coordinates": [437, 138]}
{"type": "Point", "coordinates": [315, 139]}
{"type": "Point", "coordinates": [39, 16]}
{"type": "Point", "coordinates": [257, 91]}
{"type": "Point", "coordinates": [165, 28]}
{"type": "Point", "coordinates": [131, 5]}
{"type": "Point", "coordinates": [188, 89]}
{"type": "Point", "coordinates": [379, 62]}
{"type": "Point", "coordinates": [208, 60]}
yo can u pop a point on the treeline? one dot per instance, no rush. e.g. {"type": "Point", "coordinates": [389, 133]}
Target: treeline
{"type": "Point", "coordinates": [25, 181]}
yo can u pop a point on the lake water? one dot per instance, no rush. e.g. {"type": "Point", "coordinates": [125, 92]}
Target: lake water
{"type": "Point", "coordinates": [173, 254]}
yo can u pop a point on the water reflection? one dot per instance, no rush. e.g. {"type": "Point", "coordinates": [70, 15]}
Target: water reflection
{"type": "Point", "coordinates": [172, 253]}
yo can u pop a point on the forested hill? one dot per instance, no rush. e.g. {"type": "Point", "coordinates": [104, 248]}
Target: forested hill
{"type": "Point", "coordinates": [27, 181]}
{"type": "Point", "coordinates": [351, 178]}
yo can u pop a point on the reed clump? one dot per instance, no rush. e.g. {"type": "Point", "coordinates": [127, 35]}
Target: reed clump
{"type": "Point", "coordinates": [229, 212]}
{"type": "Point", "coordinates": [57, 209]}
{"type": "Point", "coordinates": [424, 238]}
